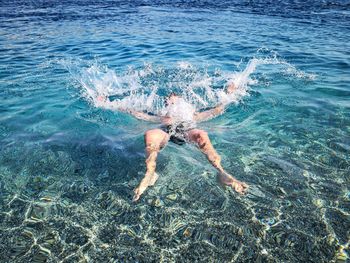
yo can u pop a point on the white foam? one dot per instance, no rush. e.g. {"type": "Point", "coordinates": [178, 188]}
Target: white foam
{"type": "Point", "coordinates": [180, 111]}
{"type": "Point", "coordinates": [184, 65]}
{"type": "Point", "coordinates": [144, 89]}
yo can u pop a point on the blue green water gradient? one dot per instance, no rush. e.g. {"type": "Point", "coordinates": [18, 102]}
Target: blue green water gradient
{"type": "Point", "coordinates": [68, 168]}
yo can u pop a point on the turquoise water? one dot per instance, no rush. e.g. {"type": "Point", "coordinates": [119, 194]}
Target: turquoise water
{"type": "Point", "coordinates": [68, 166]}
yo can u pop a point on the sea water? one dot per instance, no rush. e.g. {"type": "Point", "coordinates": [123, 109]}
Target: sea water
{"type": "Point", "coordinates": [69, 162]}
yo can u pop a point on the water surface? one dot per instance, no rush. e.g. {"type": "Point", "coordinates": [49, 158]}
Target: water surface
{"type": "Point", "coordinates": [68, 168]}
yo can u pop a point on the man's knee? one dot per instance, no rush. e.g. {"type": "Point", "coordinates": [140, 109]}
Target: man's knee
{"type": "Point", "coordinates": [153, 136]}
{"type": "Point", "coordinates": [203, 135]}
{"type": "Point", "coordinates": [202, 138]}
{"type": "Point", "coordinates": [155, 140]}
{"type": "Point", "coordinates": [153, 133]}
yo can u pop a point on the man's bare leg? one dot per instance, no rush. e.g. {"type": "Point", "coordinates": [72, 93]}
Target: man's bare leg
{"type": "Point", "coordinates": [155, 140]}
{"type": "Point", "coordinates": [201, 138]}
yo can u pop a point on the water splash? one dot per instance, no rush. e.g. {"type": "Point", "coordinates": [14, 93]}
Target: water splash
{"type": "Point", "coordinates": [144, 89]}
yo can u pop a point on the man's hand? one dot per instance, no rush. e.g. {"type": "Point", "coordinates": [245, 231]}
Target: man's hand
{"type": "Point", "coordinates": [231, 88]}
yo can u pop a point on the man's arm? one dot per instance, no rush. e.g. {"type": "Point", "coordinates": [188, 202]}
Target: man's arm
{"type": "Point", "coordinates": [106, 103]}
{"type": "Point", "coordinates": [219, 109]}
{"type": "Point", "coordinates": [142, 116]}
{"type": "Point", "coordinates": [209, 114]}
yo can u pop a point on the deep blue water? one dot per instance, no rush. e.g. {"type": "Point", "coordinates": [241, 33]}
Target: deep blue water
{"type": "Point", "coordinates": [68, 167]}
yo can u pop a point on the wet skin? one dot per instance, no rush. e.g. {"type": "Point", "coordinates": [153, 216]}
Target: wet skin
{"type": "Point", "coordinates": [156, 139]}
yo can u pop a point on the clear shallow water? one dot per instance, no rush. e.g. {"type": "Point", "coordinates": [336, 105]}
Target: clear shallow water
{"type": "Point", "coordinates": [68, 168]}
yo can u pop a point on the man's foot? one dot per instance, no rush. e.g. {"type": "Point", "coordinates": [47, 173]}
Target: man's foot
{"type": "Point", "coordinates": [148, 180]}
{"type": "Point", "coordinates": [238, 186]}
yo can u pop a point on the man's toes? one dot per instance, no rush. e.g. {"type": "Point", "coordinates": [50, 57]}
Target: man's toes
{"type": "Point", "coordinates": [136, 191]}
{"type": "Point", "coordinates": [135, 198]}
{"type": "Point", "coordinates": [136, 195]}
{"type": "Point", "coordinates": [238, 188]}
{"type": "Point", "coordinates": [244, 188]}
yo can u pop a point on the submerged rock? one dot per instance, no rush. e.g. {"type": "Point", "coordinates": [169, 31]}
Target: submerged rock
{"type": "Point", "coordinates": [109, 201]}
{"type": "Point", "coordinates": [38, 212]}
{"type": "Point", "coordinates": [318, 202]}
{"type": "Point", "coordinates": [77, 191]}
{"type": "Point", "coordinates": [40, 254]}
{"type": "Point", "coordinates": [187, 232]}
{"type": "Point", "coordinates": [157, 202]}
{"type": "Point", "coordinates": [46, 199]}
{"type": "Point", "coordinates": [341, 255]}
{"type": "Point", "coordinates": [171, 197]}
{"type": "Point", "coordinates": [76, 235]}
{"type": "Point", "coordinates": [20, 246]}
{"type": "Point", "coordinates": [28, 233]}
{"type": "Point", "coordinates": [50, 240]}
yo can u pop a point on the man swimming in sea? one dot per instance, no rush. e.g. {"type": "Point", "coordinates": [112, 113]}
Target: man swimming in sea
{"type": "Point", "coordinates": [178, 124]}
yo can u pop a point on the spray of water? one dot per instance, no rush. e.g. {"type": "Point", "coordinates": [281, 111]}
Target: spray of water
{"type": "Point", "coordinates": [145, 89]}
